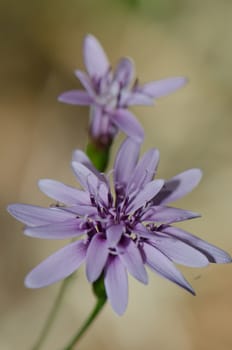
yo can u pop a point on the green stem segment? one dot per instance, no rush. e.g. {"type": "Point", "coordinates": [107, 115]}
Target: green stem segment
{"type": "Point", "coordinates": [52, 315]}
{"type": "Point", "coordinates": [99, 305]}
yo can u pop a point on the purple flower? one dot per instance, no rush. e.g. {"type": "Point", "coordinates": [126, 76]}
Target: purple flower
{"type": "Point", "coordinates": [110, 93]}
{"type": "Point", "coordinates": [118, 231]}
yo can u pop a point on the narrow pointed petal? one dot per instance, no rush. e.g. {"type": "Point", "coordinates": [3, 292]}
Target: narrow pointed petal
{"type": "Point", "coordinates": [114, 234]}
{"type": "Point", "coordinates": [163, 87]}
{"type": "Point", "coordinates": [34, 215]}
{"type": "Point", "coordinates": [178, 186]}
{"type": "Point", "coordinates": [85, 176]}
{"type": "Point", "coordinates": [61, 230]}
{"type": "Point", "coordinates": [131, 258]}
{"type": "Point", "coordinates": [75, 97]}
{"type": "Point", "coordinates": [127, 122]}
{"type": "Point", "coordinates": [116, 284]}
{"type": "Point", "coordinates": [124, 72]}
{"type": "Point", "coordinates": [81, 157]}
{"type": "Point", "coordinates": [213, 253]}
{"type": "Point", "coordinates": [126, 161]}
{"type": "Point", "coordinates": [145, 195]}
{"type": "Point", "coordinates": [95, 58]}
{"type": "Point", "coordinates": [86, 82]}
{"type": "Point", "coordinates": [137, 99]}
{"type": "Point", "coordinates": [145, 170]}
{"type": "Point", "coordinates": [164, 267]}
{"type": "Point", "coordinates": [90, 182]}
{"type": "Point", "coordinates": [168, 215]}
{"type": "Point", "coordinates": [63, 193]}
{"type": "Point", "coordinates": [178, 251]}
{"type": "Point", "coordinates": [96, 257]}
{"type": "Point", "coordinates": [57, 266]}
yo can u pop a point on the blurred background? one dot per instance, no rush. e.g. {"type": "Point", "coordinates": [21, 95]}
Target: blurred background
{"type": "Point", "coordinates": [41, 45]}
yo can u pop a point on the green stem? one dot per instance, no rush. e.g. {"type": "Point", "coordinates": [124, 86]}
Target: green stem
{"type": "Point", "coordinates": [98, 306]}
{"type": "Point", "coordinates": [51, 316]}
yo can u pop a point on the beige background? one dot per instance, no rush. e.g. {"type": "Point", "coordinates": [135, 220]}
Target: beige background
{"type": "Point", "coordinates": [40, 46]}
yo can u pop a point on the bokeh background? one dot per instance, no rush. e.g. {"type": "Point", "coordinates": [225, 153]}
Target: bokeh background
{"type": "Point", "coordinates": [40, 46]}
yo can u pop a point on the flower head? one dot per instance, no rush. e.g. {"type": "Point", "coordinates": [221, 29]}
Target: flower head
{"type": "Point", "coordinates": [110, 93]}
{"type": "Point", "coordinates": [120, 230]}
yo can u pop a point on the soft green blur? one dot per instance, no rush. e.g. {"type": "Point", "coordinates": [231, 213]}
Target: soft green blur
{"type": "Point", "coordinates": [40, 46]}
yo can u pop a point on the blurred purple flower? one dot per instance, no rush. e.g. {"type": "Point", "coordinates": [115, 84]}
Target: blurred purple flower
{"type": "Point", "coordinates": [123, 230]}
{"type": "Point", "coordinates": [111, 93]}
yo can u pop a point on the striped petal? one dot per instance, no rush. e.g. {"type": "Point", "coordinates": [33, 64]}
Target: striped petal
{"type": "Point", "coordinates": [57, 266]}
{"type": "Point", "coordinates": [213, 253]}
{"type": "Point", "coordinates": [76, 97]}
{"type": "Point", "coordinates": [60, 230]}
{"type": "Point", "coordinates": [116, 284]}
{"type": "Point", "coordinates": [63, 193]}
{"type": "Point", "coordinates": [32, 215]}
{"type": "Point", "coordinates": [161, 264]}
{"type": "Point", "coordinates": [96, 257]}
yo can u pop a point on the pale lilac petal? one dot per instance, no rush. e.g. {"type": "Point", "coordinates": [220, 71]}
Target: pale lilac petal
{"type": "Point", "coordinates": [116, 284]}
{"type": "Point", "coordinates": [96, 116]}
{"type": "Point", "coordinates": [60, 230]}
{"type": "Point", "coordinates": [75, 97]}
{"type": "Point", "coordinates": [142, 231]}
{"type": "Point", "coordinates": [213, 254]}
{"type": "Point", "coordinates": [138, 98]}
{"type": "Point", "coordinates": [178, 251]}
{"type": "Point", "coordinates": [145, 195]}
{"type": "Point", "coordinates": [82, 210]}
{"type": "Point", "coordinates": [95, 58]}
{"type": "Point", "coordinates": [113, 234]}
{"type": "Point", "coordinates": [86, 82]}
{"type": "Point", "coordinates": [81, 157]}
{"type": "Point", "coordinates": [90, 182]}
{"type": "Point", "coordinates": [57, 266]}
{"type": "Point", "coordinates": [124, 72]}
{"type": "Point", "coordinates": [63, 193]}
{"type": "Point", "coordinates": [126, 161]}
{"type": "Point", "coordinates": [164, 267]}
{"type": "Point", "coordinates": [131, 258]}
{"type": "Point", "coordinates": [162, 87]}
{"type": "Point", "coordinates": [96, 257]}
{"type": "Point", "coordinates": [145, 170]}
{"type": "Point", "coordinates": [178, 186]}
{"type": "Point", "coordinates": [33, 215]}
{"type": "Point", "coordinates": [168, 215]}
{"type": "Point", "coordinates": [127, 122]}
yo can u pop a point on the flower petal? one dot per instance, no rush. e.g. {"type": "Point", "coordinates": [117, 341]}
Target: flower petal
{"type": "Point", "coordinates": [96, 61]}
{"type": "Point", "coordinates": [34, 215]}
{"type": "Point", "coordinates": [124, 72]}
{"type": "Point", "coordinates": [86, 82]}
{"type": "Point", "coordinates": [116, 284]}
{"type": "Point", "coordinates": [114, 234]}
{"type": "Point", "coordinates": [145, 195]}
{"type": "Point", "coordinates": [91, 182]}
{"type": "Point", "coordinates": [168, 215]}
{"type": "Point", "coordinates": [213, 253]}
{"type": "Point", "coordinates": [164, 267]}
{"type": "Point", "coordinates": [131, 258]}
{"type": "Point", "coordinates": [96, 257]}
{"type": "Point", "coordinates": [60, 230]}
{"type": "Point", "coordinates": [63, 193]}
{"type": "Point", "coordinates": [57, 266]}
{"type": "Point", "coordinates": [127, 122]}
{"type": "Point", "coordinates": [138, 99]}
{"type": "Point", "coordinates": [81, 157]}
{"type": "Point", "coordinates": [178, 186]}
{"type": "Point", "coordinates": [178, 251]}
{"type": "Point", "coordinates": [145, 170]}
{"type": "Point", "coordinates": [126, 161]}
{"type": "Point", "coordinates": [75, 97]}
{"type": "Point", "coordinates": [162, 87]}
